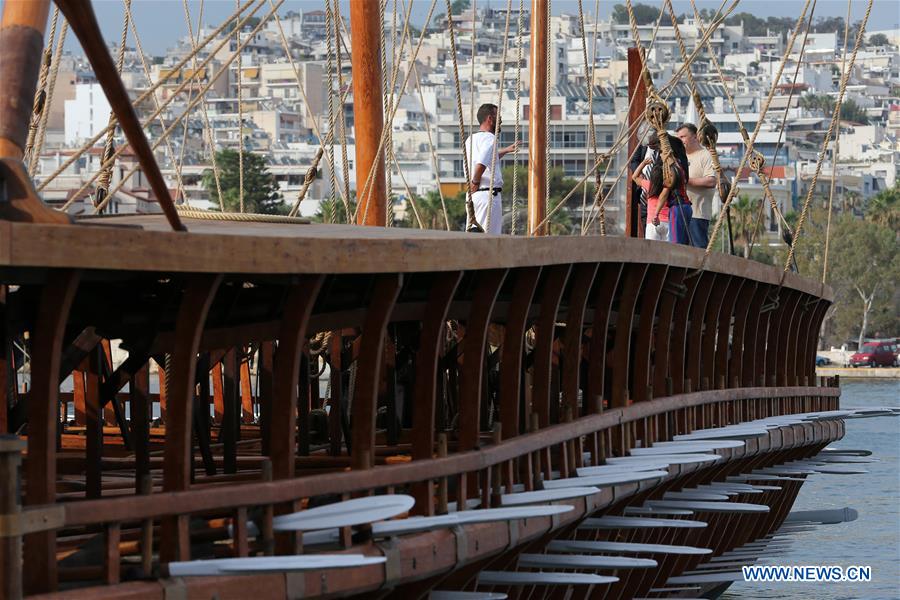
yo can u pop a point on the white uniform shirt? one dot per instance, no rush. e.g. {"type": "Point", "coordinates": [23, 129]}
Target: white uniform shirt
{"type": "Point", "coordinates": [481, 154]}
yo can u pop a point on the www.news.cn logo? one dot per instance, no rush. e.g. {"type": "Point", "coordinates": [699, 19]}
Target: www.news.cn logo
{"type": "Point", "coordinates": [826, 573]}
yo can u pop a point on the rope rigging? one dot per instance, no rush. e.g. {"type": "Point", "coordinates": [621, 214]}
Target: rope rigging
{"type": "Point", "coordinates": [240, 107]}
{"type": "Point", "coordinates": [834, 158]}
{"type": "Point", "coordinates": [40, 96]}
{"type": "Point", "coordinates": [152, 90]}
{"type": "Point", "coordinates": [765, 108]}
{"type": "Point", "coordinates": [499, 107]}
{"type": "Point", "coordinates": [471, 224]}
{"type": "Point", "coordinates": [331, 29]}
{"type": "Point", "coordinates": [835, 119]}
{"type": "Point", "coordinates": [48, 101]}
{"type": "Point", "coordinates": [515, 179]}
{"type": "Point", "coordinates": [106, 170]}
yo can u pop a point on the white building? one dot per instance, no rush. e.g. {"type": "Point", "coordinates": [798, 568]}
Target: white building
{"type": "Point", "coordinates": [87, 114]}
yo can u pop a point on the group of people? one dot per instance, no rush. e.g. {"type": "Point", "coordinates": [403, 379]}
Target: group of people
{"type": "Point", "coordinates": [678, 213]}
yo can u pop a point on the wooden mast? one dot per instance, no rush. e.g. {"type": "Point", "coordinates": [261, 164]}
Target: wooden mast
{"type": "Point", "coordinates": [537, 119]}
{"type": "Point", "coordinates": [21, 42]}
{"type": "Point", "coordinates": [636, 89]}
{"type": "Point", "coordinates": [365, 30]}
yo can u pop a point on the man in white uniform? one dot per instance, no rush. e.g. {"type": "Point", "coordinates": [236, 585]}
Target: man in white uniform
{"type": "Point", "coordinates": [484, 168]}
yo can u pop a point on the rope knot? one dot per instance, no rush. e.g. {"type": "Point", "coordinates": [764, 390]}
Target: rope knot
{"type": "Point", "coordinates": [756, 161]}
{"type": "Point", "coordinates": [657, 112]}
{"type": "Point", "coordinates": [707, 134]}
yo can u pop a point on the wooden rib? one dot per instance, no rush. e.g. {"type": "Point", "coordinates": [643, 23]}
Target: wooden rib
{"type": "Point", "coordinates": [694, 353]}
{"type": "Point", "coordinates": [710, 320]}
{"type": "Point", "coordinates": [511, 354]}
{"type": "Point", "coordinates": [231, 418]}
{"type": "Point", "coordinates": [487, 286]}
{"type": "Point", "coordinates": [198, 296]}
{"type": "Point", "coordinates": [738, 289]}
{"type": "Point", "coordinates": [141, 415]}
{"type": "Point", "coordinates": [662, 335]}
{"type": "Point", "coordinates": [40, 470]}
{"type": "Point", "coordinates": [735, 347]}
{"type": "Point", "coordinates": [653, 286]}
{"type": "Point", "coordinates": [621, 354]}
{"type": "Point", "coordinates": [368, 374]}
{"type": "Point", "coordinates": [582, 282]}
{"type": "Point", "coordinates": [551, 293]}
{"type": "Point", "coordinates": [606, 287]}
{"type": "Point", "coordinates": [751, 339]}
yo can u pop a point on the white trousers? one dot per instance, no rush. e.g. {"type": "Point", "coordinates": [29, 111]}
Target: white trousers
{"type": "Point", "coordinates": [661, 233]}
{"type": "Point", "coordinates": [483, 202]}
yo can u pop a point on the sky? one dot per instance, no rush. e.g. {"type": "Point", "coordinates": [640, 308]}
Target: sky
{"type": "Point", "coordinates": [161, 22]}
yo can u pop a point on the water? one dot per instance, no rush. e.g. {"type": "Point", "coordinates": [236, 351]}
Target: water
{"type": "Point", "coordinates": [874, 538]}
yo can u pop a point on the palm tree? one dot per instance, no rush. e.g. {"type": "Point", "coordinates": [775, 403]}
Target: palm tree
{"type": "Point", "coordinates": [746, 226]}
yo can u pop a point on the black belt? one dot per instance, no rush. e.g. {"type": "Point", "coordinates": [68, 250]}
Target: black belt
{"type": "Point", "coordinates": [494, 190]}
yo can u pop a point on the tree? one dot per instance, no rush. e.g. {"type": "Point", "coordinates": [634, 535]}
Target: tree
{"type": "Point", "coordinates": [884, 208]}
{"type": "Point", "coordinates": [431, 212]}
{"type": "Point", "coordinates": [850, 110]}
{"type": "Point", "coordinates": [323, 213]}
{"type": "Point", "coordinates": [643, 14]}
{"type": "Point", "coordinates": [745, 225]}
{"type": "Point", "coordinates": [878, 39]}
{"type": "Point", "coordinates": [863, 270]}
{"type": "Point", "coordinates": [458, 6]}
{"type": "Point", "coordinates": [261, 193]}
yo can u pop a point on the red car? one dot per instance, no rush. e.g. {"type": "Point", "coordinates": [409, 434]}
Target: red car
{"type": "Point", "coordinates": [874, 354]}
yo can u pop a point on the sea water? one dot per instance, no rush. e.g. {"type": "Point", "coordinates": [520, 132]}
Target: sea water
{"type": "Point", "coordinates": [874, 538]}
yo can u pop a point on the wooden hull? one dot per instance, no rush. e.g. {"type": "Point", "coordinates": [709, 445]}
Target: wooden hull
{"type": "Point", "coordinates": [581, 348]}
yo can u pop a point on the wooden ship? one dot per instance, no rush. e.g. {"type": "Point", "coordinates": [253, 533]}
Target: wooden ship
{"type": "Point", "coordinates": [569, 417]}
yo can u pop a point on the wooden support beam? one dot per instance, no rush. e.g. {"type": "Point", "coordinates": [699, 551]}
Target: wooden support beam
{"type": "Point", "coordinates": [231, 410]}
{"type": "Point", "coordinates": [511, 358]}
{"type": "Point", "coordinates": [368, 117]}
{"type": "Point", "coordinates": [621, 355]}
{"type": "Point", "coordinates": [487, 286]}
{"type": "Point", "coordinates": [198, 296]}
{"type": "Point", "coordinates": [653, 287]}
{"type": "Point", "coordinates": [537, 119]}
{"type": "Point", "coordinates": [663, 334]}
{"type": "Point", "coordinates": [582, 282]}
{"type": "Point", "coordinates": [637, 98]}
{"type": "Point", "coordinates": [291, 338]}
{"type": "Point", "coordinates": [605, 291]}
{"type": "Point", "coordinates": [551, 293]}
{"type": "Point", "coordinates": [43, 419]}
{"type": "Point", "coordinates": [368, 374]}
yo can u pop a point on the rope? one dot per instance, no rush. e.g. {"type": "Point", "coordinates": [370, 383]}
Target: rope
{"type": "Point", "coordinates": [200, 97]}
{"type": "Point", "coordinates": [40, 96]}
{"type": "Point", "coordinates": [206, 215]}
{"type": "Point", "coordinates": [331, 26]}
{"type": "Point", "coordinates": [731, 194]}
{"type": "Point", "coordinates": [387, 97]}
{"type": "Point", "coordinates": [471, 223]}
{"type": "Point", "coordinates": [315, 126]}
{"type": "Point", "coordinates": [345, 163]}
{"type": "Point", "coordinates": [548, 114]}
{"type": "Point", "coordinates": [209, 131]}
{"type": "Point", "coordinates": [834, 159]}
{"type": "Point", "coordinates": [499, 107]}
{"type": "Point", "coordinates": [409, 194]}
{"type": "Point", "coordinates": [106, 171]}
{"type": "Point", "coordinates": [308, 179]}
{"type": "Point", "coordinates": [240, 103]}
{"type": "Point", "coordinates": [515, 181]}
{"type": "Point", "coordinates": [592, 133]}
{"type": "Point", "coordinates": [174, 69]}
{"type": "Point", "coordinates": [434, 159]}
{"type": "Point", "coordinates": [45, 115]}
{"type": "Point", "coordinates": [835, 119]}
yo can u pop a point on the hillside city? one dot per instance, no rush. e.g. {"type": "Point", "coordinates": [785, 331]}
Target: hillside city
{"type": "Point", "coordinates": [282, 121]}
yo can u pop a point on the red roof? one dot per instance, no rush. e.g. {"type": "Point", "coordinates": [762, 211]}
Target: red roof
{"type": "Point", "coordinates": [776, 172]}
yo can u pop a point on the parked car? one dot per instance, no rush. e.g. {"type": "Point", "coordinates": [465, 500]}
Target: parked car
{"type": "Point", "coordinates": [821, 361]}
{"type": "Point", "coordinates": [874, 354]}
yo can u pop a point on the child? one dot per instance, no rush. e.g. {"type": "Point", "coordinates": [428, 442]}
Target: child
{"type": "Point", "coordinates": [657, 227]}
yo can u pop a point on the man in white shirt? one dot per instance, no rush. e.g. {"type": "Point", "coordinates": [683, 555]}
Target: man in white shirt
{"type": "Point", "coordinates": [701, 184]}
{"type": "Point", "coordinates": [484, 168]}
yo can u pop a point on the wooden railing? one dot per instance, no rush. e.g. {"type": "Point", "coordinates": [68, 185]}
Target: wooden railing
{"type": "Point", "coordinates": [571, 348]}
